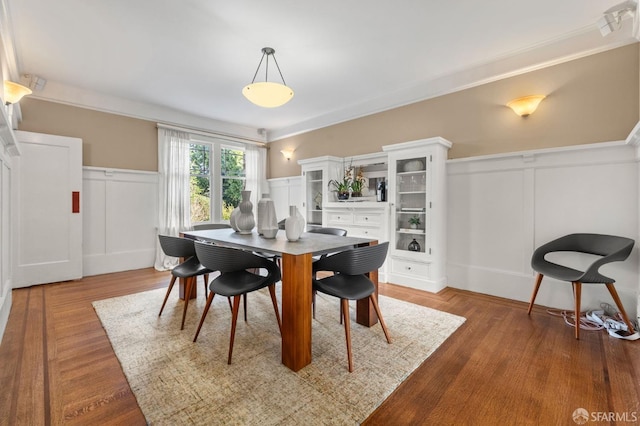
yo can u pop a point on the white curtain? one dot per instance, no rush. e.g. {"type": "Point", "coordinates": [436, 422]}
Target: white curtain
{"type": "Point", "coordinates": [256, 164]}
{"type": "Point", "coordinates": [174, 204]}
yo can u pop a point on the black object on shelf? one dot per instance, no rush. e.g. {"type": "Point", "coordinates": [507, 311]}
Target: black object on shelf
{"type": "Point", "coordinates": [414, 246]}
{"type": "Point", "coordinates": [382, 191]}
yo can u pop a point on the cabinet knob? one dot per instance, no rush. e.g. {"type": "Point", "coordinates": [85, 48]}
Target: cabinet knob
{"type": "Point", "coordinates": [408, 268]}
{"type": "Point", "coordinates": [366, 218]}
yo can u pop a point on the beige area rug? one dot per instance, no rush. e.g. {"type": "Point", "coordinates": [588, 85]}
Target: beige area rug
{"type": "Point", "coordinates": [179, 382]}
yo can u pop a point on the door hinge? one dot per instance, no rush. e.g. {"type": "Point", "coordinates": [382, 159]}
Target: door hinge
{"type": "Point", "coordinates": [431, 158]}
{"type": "Point", "coordinates": [429, 250]}
{"type": "Point", "coordinates": [430, 205]}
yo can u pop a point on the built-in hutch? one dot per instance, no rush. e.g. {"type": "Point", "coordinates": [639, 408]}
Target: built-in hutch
{"type": "Point", "coordinates": [413, 175]}
{"type": "Point", "coordinates": [417, 176]}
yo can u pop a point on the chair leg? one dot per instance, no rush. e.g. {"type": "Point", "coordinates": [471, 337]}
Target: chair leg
{"type": "Point", "coordinates": [204, 314]}
{"type": "Point", "coordinates": [234, 321]}
{"type": "Point", "coordinates": [535, 292]}
{"type": "Point", "coordinates": [374, 301]}
{"type": "Point", "coordinates": [173, 281]}
{"type": "Point", "coordinates": [274, 302]}
{"type": "Point", "coordinates": [187, 295]}
{"type": "Point", "coordinates": [206, 281]}
{"type": "Point", "coordinates": [616, 299]}
{"type": "Point", "coordinates": [313, 303]}
{"type": "Point", "coordinates": [244, 306]}
{"type": "Point", "coordinates": [577, 293]}
{"type": "Point", "coordinates": [344, 304]}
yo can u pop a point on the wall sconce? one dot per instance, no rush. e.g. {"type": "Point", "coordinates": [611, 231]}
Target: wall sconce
{"type": "Point", "coordinates": [287, 153]}
{"type": "Point", "coordinates": [526, 105]}
{"type": "Point", "coordinates": [13, 92]}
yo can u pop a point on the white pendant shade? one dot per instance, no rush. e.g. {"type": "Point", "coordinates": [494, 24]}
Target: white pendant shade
{"type": "Point", "coordinates": [268, 94]}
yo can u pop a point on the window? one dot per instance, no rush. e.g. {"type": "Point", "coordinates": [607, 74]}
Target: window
{"type": "Point", "coordinates": [217, 177]}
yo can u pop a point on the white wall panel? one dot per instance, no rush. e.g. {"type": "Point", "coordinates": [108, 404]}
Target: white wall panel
{"type": "Point", "coordinates": [121, 210]}
{"type": "Point", "coordinates": [502, 207]}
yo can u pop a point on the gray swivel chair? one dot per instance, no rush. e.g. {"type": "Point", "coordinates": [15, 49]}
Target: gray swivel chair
{"type": "Point", "coordinates": [190, 269]}
{"type": "Point", "coordinates": [611, 249]}
{"type": "Point", "coordinates": [236, 280]}
{"type": "Point", "coordinates": [350, 282]}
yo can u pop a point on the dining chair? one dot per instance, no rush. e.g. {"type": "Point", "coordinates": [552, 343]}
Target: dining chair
{"type": "Point", "coordinates": [205, 226]}
{"type": "Point", "coordinates": [350, 282]}
{"type": "Point", "coordinates": [609, 248]}
{"type": "Point", "coordinates": [327, 231]}
{"type": "Point", "coordinates": [236, 280]}
{"type": "Point", "coordinates": [189, 269]}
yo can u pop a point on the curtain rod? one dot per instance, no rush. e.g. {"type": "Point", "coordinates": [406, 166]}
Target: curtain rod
{"type": "Point", "coordinates": [211, 134]}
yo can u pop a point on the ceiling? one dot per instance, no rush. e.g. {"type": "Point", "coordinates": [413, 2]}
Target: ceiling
{"type": "Point", "coordinates": [186, 62]}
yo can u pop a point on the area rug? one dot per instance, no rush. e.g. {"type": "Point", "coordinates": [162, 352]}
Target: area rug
{"type": "Point", "coordinates": [179, 382]}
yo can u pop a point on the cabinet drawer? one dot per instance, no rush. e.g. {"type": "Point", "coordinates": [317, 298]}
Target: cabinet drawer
{"type": "Point", "coordinates": [364, 232]}
{"type": "Point", "coordinates": [339, 218]}
{"type": "Point", "coordinates": [407, 267]}
{"type": "Point", "coordinates": [373, 219]}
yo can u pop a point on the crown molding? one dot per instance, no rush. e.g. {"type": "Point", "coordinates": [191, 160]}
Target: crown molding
{"type": "Point", "coordinates": [582, 43]}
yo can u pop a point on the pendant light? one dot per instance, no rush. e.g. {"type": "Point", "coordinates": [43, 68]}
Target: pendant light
{"type": "Point", "coordinates": [265, 93]}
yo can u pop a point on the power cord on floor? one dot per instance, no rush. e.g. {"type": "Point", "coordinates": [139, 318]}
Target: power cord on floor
{"type": "Point", "coordinates": [604, 319]}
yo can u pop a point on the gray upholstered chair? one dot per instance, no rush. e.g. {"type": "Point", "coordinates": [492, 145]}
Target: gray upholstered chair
{"type": "Point", "coordinates": [350, 282]}
{"type": "Point", "coordinates": [610, 248]}
{"type": "Point", "coordinates": [190, 269]}
{"type": "Point", "coordinates": [236, 280]}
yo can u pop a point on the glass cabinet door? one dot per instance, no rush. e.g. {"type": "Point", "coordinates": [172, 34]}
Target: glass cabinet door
{"type": "Point", "coordinates": [313, 203]}
{"type": "Point", "coordinates": [411, 204]}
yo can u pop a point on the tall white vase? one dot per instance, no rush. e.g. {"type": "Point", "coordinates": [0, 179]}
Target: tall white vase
{"type": "Point", "coordinates": [245, 220]}
{"type": "Point", "coordinates": [266, 214]}
{"type": "Point", "coordinates": [233, 218]}
{"type": "Point", "coordinates": [294, 224]}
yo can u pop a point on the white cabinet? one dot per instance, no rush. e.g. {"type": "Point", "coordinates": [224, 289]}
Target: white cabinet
{"type": "Point", "coordinates": [316, 174]}
{"type": "Point", "coordinates": [361, 219]}
{"type": "Point", "coordinates": [416, 192]}
{"type": "Point", "coordinates": [285, 192]}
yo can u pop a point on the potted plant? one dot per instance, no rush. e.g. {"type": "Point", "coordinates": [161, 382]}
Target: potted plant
{"type": "Point", "coordinates": [356, 188]}
{"type": "Point", "coordinates": [414, 221]}
{"type": "Point", "coordinates": [358, 184]}
{"type": "Point", "coordinates": [342, 187]}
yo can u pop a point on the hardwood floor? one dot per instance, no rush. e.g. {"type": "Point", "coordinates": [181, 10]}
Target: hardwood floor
{"type": "Point", "coordinates": [501, 367]}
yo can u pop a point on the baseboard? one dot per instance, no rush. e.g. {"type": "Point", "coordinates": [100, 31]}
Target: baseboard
{"type": "Point", "coordinates": [5, 310]}
{"type": "Point", "coordinates": [117, 262]}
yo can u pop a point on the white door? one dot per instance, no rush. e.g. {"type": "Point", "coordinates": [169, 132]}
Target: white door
{"type": "Point", "coordinates": [46, 209]}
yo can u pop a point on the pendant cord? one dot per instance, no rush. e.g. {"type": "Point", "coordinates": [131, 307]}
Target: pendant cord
{"type": "Point", "coordinates": [266, 73]}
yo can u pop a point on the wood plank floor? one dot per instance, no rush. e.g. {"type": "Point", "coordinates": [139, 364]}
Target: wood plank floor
{"type": "Point", "coordinates": [501, 367]}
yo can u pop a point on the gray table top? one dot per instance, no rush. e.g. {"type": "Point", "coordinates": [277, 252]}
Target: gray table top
{"type": "Point", "coordinates": [308, 243]}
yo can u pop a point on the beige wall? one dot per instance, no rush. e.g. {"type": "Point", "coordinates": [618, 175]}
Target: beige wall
{"type": "Point", "coordinates": [592, 99]}
{"type": "Point", "coordinates": [108, 140]}
{"type": "Point", "coordinates": [589, 100]}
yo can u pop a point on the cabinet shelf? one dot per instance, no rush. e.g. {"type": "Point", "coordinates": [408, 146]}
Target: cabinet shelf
{"type": "Point", "coordinates": [410, 231]}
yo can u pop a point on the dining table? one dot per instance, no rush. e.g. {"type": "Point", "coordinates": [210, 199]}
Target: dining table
{"type": "Point", "coordinates": [297, 257]}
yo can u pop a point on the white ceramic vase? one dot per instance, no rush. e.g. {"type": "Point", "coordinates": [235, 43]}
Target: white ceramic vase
{"type": "Point", "coordinates": [294, 224]}
{"type": "Point", "coordinates": [233, 218]}
{"type": "Point", "coordinates": [245, 220]}
{"type": "Point", "coordinates": [266, 214]}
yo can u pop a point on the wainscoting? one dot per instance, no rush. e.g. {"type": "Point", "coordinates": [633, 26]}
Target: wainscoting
{"type": "Point", "coordinates": [500, 208]}
{"type": "Point", "coordinates": [120, 219]}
